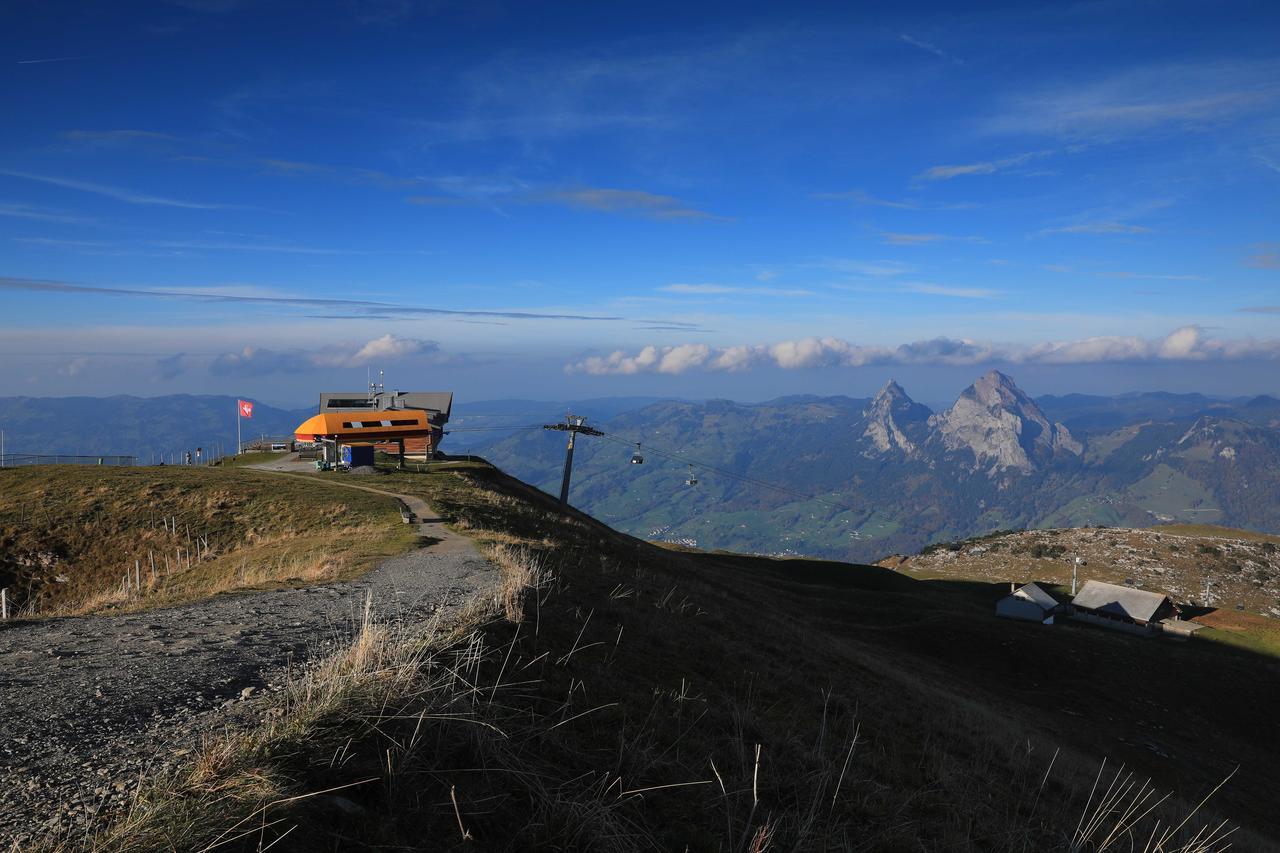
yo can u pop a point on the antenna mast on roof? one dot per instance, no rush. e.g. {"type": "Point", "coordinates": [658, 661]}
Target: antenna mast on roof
{"type": "Point", "coordinates": [375, 388]}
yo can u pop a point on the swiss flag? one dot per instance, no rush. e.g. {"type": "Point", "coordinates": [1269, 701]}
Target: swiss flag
{"type": "Point", "coordinates": [246, 409]}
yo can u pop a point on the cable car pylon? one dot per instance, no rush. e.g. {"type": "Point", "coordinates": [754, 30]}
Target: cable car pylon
{"type": "Point", "coordinates": [573, 424]}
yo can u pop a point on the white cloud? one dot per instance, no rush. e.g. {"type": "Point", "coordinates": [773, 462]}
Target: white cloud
{"type": "Point", "coordinates": [386, 348]}
{"type": "Point", "coordinates": [1189, 343]}
{"type": "Point", "coordinates": [256, 361]}
{"type": "Point", "coordinates": [74, 367]}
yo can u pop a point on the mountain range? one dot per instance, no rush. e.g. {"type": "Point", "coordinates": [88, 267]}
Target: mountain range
{"type": "Point", "coordinates": [842, 477]}
{"type": "Point", "coordinates": [857, 479]}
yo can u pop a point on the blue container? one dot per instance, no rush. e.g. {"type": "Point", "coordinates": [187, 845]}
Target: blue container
{"type": "Point", "coordinates": [358, 456]}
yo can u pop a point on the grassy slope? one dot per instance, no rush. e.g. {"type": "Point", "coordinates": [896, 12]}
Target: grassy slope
{"type": "Point", "coordinates": [945, 691]}
{"type": "Point", "coordinates": [89, 524]}
{"type": "Point", "coordinates": [822, 705]}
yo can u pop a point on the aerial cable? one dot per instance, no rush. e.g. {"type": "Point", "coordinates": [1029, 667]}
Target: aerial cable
{"type": "Point", "coordinates": [490, 429]}
{"type": "Point", "coordinates": [685, 460]}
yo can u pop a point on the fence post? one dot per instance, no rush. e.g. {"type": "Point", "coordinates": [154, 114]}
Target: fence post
{"type": "Point", "coordinates": [4, 604]}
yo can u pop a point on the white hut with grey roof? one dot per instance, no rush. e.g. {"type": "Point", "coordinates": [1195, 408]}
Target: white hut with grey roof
{"type": "Point", "coordinates": [1029, 603]}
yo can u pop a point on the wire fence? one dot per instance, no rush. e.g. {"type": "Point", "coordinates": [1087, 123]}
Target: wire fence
{"type": "Point", "coordinates": [14, 460]}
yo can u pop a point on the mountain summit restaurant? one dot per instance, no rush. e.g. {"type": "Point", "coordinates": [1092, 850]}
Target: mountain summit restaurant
{"type": "Point", "coordinates": [400, 423]}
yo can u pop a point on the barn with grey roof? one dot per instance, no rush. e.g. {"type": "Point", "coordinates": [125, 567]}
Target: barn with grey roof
{"type": "Point", "coordinates": [1121, 606]}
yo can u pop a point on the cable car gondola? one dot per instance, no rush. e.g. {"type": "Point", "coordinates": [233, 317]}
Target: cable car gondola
{"type": "Point", "coordinates": [636, 458]}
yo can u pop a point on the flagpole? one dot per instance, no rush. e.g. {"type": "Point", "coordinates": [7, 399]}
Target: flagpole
{"type": "Point", "coordinates": [239, 448]}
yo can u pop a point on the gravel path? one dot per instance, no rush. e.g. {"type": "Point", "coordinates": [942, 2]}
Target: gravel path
{"type": "Point", "coordinates": [89, 704]}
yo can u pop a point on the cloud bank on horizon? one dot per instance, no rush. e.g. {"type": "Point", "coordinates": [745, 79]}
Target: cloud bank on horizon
{"type": "Point", "coordinates": [521, 200]}
{"type": "Point", "coordinates": [1189, 343]}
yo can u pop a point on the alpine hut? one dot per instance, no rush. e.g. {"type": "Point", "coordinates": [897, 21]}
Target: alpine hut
{"type": "Point", "coordinates": [1121, 607]}
{"type": "Point", "coordinates": [1029, 603]}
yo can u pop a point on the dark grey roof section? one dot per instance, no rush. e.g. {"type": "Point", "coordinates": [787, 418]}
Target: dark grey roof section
{"type": "Point", "coordinates": [432, 401]}
{"type": "Point", "coordinates": [439, 402]}
{"type": "Point", "coordinates": [1119, 600]}
{"type": "Point", "coordinates": [341, 401]}
{"type": "Point", "coordinates": [1033, 592]}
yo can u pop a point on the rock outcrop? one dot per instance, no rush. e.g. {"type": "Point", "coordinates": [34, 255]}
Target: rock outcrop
{"type": "Point", "coordinates": [895, 422]}
{"type": "Point", "coordinates": [1002, 427]}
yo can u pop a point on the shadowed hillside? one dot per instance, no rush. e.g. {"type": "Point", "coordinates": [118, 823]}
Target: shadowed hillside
{"type": "Point", "coordinates": [634, 697]}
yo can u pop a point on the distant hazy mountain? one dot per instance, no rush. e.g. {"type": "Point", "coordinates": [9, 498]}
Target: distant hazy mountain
{"type": "Point", "coordinates": [147, 426]}
{"type": "Point", "coordinates": [863, 478]}
{"type": "Point", "coordinates": [858, 478]}
{"type": "Point", "coordinates": [135, 426]}
{"type": "Point", "coordinates": [475, 425]}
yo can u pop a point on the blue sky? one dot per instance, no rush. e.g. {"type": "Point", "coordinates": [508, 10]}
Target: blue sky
{"type": "Point", "coordinates": [582, 199]}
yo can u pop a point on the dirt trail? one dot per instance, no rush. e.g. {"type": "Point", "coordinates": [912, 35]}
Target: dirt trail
{"type": "Point", "coordinates": [89, 703]}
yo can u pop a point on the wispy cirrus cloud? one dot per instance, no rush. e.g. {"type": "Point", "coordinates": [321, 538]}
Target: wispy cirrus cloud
{"type": "Point", "coordinates": [174, 247]}
{"type": "Point", "coordinates": [951, 290]}
{"type": "Point", "coordinates": [1150, 276]}
{"type": "Point", "coordinates": [235, 246]}
{"type": "Point", "coordinates": [1188, 96]}
{"type": "Point", "coordinates": [724, 290]}
{"type": "Point", "coordinates": [303, 302]}
{"type": "Point", "coordinates": [117, 138]}
{"type": "Point", "coordinates": [1189, 344]}
{"type": "Point", "coordinates": [50, 59]}
{"type": "Point", "coordinates": [637, 202]}
{"type": "Point", "coordinates": [872, 269]}
{"type": "Point", "coordinates": [981, 167]}
{"type": "Point", "coordinates": [897, 238]}
{"type": "Point", "coordinates": [929, 47]}
{"type": "Point", "coordinates": [1266, 256]}
{"type": "Point", "coordinates": [865, 198]}
{"type": "Point", "coordinates": [925, 288]}
{"type": "Point", "coordinates": [40, 214]}
{"type": "Point", "coordinates": [118, 193]}
{"type": "Point", "coordinates": [496, 193]}
{"type": "Point", "coordinates": [1103, 227]}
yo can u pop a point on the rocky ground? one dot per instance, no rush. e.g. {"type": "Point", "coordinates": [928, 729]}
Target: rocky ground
{"type": "Point", "coordinates": [1241, 572]}
{"type": "Point", "coordinates": [92, 704]}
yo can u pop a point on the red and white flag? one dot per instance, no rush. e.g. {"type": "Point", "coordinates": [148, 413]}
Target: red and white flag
{"type": "Point", "coordinates": [246, 409]}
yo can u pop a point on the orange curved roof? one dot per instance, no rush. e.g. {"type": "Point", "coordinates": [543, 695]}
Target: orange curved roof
{"type": "Point", "coordinates": [364, 425]}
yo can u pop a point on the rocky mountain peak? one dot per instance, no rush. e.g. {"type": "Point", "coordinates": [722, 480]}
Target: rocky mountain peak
{"type": "Point", "coordinates": [994, 388]}
{"type": "Point", "coordinates": [891, 391]}
{"type": "Point", "coordinates": [895, 421]}
{"type": "Point", "coordinates": [1002, 426]}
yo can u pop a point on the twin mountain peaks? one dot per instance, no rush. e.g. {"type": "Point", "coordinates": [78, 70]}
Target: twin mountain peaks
{"type": "Point", "coordinates": [993, 419]}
